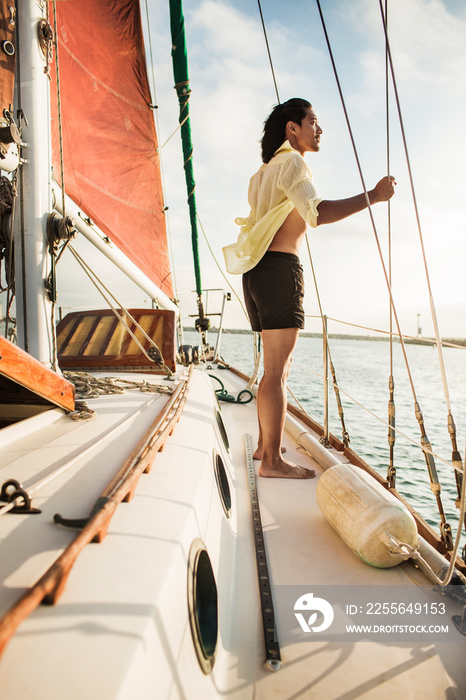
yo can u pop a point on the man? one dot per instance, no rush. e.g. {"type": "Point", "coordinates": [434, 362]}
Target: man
{"type": "Point", "coordinates": [283, 201]}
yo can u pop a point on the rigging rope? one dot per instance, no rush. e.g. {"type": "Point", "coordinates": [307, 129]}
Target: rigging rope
{"type": "Point", "coordinates": [456, 457]}
{"type": "Point", "coordinates": [257, 341]}
{"type": "Point", "coordinates": [381, 420]}
{"type": "Point", "coordinates": [60, 124]}
{"type": "Point", "coordinates": [391, 470]}
{"type": "Point", "coordinates": [9, 251]}
{"type": "Point", "coordinates": [219, 267]}
{"type": "Point", "coordinates": [53, 260]}
{"type": "Point", "coordinates": [154, 102]}
{"type": "Point", "coordinates": [430, 463]}
{"type": "Point", "coordinates": [268, 51]}
{"type": "Point", "coordinates": [345, 435]}
{"type": "Point", "coordinates": [176, 130]}
{"type": "Point", "coordinates": [162, 173]}
{"type": "Point", "coordinates": [379, 330]}
{"type": "Point", "coordinates": [90, 387]}
{"type": "Point", "coordinates": [409, 552]}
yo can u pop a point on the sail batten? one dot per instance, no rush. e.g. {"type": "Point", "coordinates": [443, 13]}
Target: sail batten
{"type": "Point", "coordinates": [110, 149]}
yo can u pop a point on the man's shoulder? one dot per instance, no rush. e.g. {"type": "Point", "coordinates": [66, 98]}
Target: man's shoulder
{"type": "Point", "coordinates": [292, 167]}
{"type": "Point", "coordinates": [284, 156]}
{"type": "Point", "coordinates": [288, 156]}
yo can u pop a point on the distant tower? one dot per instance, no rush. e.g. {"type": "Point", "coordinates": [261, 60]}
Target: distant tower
{"type": "Point", "coordinates": [419, 329]}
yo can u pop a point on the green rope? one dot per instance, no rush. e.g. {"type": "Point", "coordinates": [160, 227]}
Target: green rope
{"type": "Point", "coordinates": [223, 395]}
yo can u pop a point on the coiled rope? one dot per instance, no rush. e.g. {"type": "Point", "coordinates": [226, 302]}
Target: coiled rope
{"type": "Point", "coordinates": [223, 395]}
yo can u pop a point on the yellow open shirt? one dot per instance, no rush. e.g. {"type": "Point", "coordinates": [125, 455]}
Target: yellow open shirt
{"type": "Point", "coordinates": [278, 186]}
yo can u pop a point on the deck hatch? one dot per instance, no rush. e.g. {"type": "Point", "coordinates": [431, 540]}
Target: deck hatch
{"type": "Point", "coordinates": [97, 339]}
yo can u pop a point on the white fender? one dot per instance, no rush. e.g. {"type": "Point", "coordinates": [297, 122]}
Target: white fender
{"type": "Point", "coordinates": [365, 515]}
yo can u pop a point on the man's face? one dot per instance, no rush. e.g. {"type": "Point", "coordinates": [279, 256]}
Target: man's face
{"type": "Point", "coordinates": [308, 133]}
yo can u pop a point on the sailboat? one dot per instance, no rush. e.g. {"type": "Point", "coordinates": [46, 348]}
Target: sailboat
{"type": "Point", "coordinates": [140, 557]}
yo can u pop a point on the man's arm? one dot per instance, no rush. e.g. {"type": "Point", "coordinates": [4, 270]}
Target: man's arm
{"type": "Point", "coordinates": [331, 211]}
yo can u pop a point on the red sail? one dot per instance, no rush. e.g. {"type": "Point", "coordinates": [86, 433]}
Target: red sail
{"type": "Point", "coordinates": [112, 168]}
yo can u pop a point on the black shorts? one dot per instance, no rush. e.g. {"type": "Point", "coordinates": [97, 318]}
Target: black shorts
{"type": "Point", "coordinates": [274, 291]}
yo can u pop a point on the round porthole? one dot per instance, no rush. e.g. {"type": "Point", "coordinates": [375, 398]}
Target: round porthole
{"type": "Point", "coordinates": [222, 484]}
{"type": "Point", "coordinates": [202, 605]}
{"type": "Point", "coordinates": [222, 429]}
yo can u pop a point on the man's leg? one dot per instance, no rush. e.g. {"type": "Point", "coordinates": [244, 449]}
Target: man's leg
{"type": "Point", "coordinates": [278, 345]}
{"type": "Point", "coordinates": [258, 451]}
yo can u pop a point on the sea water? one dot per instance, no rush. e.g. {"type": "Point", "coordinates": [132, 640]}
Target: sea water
{"type": "Point", "coordinates": [362, 370]}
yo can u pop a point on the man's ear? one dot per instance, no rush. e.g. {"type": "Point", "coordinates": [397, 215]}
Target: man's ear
{"type": "Point", "coordinates": [291, 126]}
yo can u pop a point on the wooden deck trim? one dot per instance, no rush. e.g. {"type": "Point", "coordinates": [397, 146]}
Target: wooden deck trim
{"type": "Point", "coordinates": [24, 370]}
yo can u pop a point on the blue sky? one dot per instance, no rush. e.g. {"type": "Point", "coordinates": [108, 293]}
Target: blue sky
{"type": "Point", "coordinates": [232, 93]}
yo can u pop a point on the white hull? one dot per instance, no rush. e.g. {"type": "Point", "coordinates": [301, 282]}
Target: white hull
{"type": "Point", "coordinates": [121, 627]}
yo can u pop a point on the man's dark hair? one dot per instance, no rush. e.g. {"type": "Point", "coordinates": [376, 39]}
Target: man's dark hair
{"type": "Point", "coordinates": [275, 125]}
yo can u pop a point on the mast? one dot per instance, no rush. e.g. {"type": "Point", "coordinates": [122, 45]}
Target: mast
{"type": "Point", "coordinates": [33, 307]}
{"type": "Point", "coordinates": [183, 91]}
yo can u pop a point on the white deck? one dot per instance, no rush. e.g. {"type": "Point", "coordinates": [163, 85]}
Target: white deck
{"type": "Point", "coordinates": [120, 629]}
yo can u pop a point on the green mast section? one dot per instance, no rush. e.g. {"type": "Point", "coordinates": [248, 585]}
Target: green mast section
{"type": "Point", "coordinates": [180, 72]}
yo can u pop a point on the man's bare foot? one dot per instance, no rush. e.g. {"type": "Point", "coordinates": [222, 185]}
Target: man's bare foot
{"type": "Point", "coordinates": [258, 453]}
{"type": "Point", "coordinates": [285, 470]}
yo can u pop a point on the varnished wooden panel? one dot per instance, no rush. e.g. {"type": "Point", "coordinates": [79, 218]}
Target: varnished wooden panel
{"type": "Point", "coordinates": [97, 339]}
{"type": "Point", "coordinates": [23, 370]}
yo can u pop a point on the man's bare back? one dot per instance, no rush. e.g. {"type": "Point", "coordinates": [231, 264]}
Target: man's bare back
{"type": "Point", "coordinates": [289, 236]}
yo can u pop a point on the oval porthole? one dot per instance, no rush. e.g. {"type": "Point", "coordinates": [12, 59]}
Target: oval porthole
{"type": "Point", "coordinates": [202, 605]}
{"type": "Point", "coordinates": [222, 484]}
{"type": "Point", "coordinates": [222, 429]}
